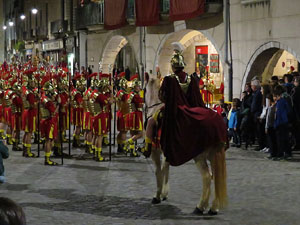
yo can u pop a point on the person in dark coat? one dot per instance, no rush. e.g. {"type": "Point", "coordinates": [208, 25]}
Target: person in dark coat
{"type": "Point", "coordinates": [3, 155]}
{"type": "Point", "coordinates": [288, 83]}
{"type": "Point", "coordinates": [256, 106]}
{"type": "Point", "coordinates": [296, 108]}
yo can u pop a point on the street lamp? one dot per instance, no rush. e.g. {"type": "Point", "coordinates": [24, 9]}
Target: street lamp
{"type": "Point", "coordinates": [22, 17]}
{"type": "Point", "coordinates": [34, 11]}
{"type": "Point", "coordinates": [10, 23]}
{"type": "Point", "coordinates": [4, 27]}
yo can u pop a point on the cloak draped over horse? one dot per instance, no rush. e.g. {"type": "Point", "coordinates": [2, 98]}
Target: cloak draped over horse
{"type": "Point", "coordinates": [188, 127]}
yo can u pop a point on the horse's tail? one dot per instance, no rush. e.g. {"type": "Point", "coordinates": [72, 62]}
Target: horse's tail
{"type": "Point", "coordinates": [220, 176]}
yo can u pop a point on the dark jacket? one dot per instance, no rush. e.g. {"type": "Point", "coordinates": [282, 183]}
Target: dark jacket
{"type": "Point", "coordinates": [296, 102]}
{"type": "Point", "coordinates": [3, 155]}
{"type": "Point", "coordinates": [256, 105]}
{"type": "Point", "coordinates": [289, 87]}
{"type": "Point", "coordinates": [282, 112]}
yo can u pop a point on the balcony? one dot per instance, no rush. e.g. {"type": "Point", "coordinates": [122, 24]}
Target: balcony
{"type": "Point", "coordinates": [253, 2]}
{"type": "Point", "coordinates": [59, 27]}
{"type": "Point", "coordinates": [91, 16]}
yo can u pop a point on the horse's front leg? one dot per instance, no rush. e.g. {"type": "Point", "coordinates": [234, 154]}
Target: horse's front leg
{"type": "Point", "coordinates": [165, 172]}
{"type": "Point", "coordinates": [156, 158]}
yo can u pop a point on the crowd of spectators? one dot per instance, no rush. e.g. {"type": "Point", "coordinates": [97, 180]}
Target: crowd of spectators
{"type": "Point", "coordinates": [266, 116]}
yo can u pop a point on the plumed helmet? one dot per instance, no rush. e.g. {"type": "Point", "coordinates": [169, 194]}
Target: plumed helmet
{"type": "Point", "coordinates": [177, 59]}
{"type": "Point", "coordinates": [135, 81]}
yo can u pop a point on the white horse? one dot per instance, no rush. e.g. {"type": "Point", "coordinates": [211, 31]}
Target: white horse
{"type": "Point", "coordinates": [214, 154]}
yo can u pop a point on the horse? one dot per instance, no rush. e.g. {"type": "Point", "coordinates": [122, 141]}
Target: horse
{"type": "Point", "coordinates": [214, 154]}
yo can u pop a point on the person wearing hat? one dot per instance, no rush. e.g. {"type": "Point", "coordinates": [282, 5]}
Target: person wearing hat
{"type": "Point", "coordinates": [135, 116]}
{"type": "Point", "coordinates": [123, 110]}
{"type": "Point", "coordinates": [29, 116]}
{"type": "Point", "coordinates": [77, 105]}
{"type": "Point", "coordinates": [49, 111]}
{"type": "Point", "coordinates": [16, 108]}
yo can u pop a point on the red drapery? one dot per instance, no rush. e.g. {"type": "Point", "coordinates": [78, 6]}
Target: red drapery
{"type": "Point", "coordinates": [147, 12]}
{"type": "Point", "coordinates": [183, 10]}
{"type": "Point", "coordinates": [115, 14]}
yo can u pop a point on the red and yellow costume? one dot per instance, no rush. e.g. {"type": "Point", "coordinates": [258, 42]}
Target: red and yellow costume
{"type": "Point", "coordinates": [77, 101]}
{"type": "Point", "coordinates": [16, 109]}
{"type": "Point", "coordinates": [49, 119]}
{"type": "Point", "coordinates": [135, 116]}
{"type": "Point", "coordinates": [29, 115]}
{"type": "Point", "coordinates": [101, 116]}
{"type": "Point", "coordinates": [123, 110]}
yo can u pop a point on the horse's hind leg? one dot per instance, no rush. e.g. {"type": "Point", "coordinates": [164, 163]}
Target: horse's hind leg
{"type": "Point", "coordinates": [202, 165]}
{"type": "Point", "coordinates": [159, 175]}
{"type": "Point", "coordinates": [165, 171]}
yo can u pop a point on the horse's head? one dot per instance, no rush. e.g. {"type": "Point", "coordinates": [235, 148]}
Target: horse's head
{"type": "Point", "coordinates": [151, 97]}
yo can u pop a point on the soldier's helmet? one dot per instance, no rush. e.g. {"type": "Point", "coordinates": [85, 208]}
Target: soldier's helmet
{"type": "Point", "coordinates": [104, 82]}
{"type": "Point", "coordinates": [135, 81]}
{"type": "Point", "coordinates": [122, 81]}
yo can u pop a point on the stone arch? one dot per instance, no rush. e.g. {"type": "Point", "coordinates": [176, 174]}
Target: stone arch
{"type": "Point", "coordinates": [113, 46]}
{"type": "Point", "coordinates": [264, 56]}
{"type": "Point", "coordinates": [186, 37]}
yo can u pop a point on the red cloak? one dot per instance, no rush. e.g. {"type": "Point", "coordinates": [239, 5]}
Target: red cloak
{"type": "Point", "coordinates": [188, 127]}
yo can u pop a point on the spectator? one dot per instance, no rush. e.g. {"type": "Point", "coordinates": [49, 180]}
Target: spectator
{"type": "Point", "coordinates": [246, 127]}
{"type": "Point", "coordinates": [296, 109]}
{"type": "Point", "coordinates": [233, 117]}
{"type": "Point", "coordinates": [3, 155]}
{"type": "Point", "coordinates": [281, 81]}
{"type": "Point", "coordinates": [269, 129]}
{"type": "Point", "coordinates": [127, 73]}
{"type": "Point", "coordinates": [288, 79]}
{"type": "Point", "coordinates": [197, 75]}
{"type": "Point", "coordinates": [11, 213]}
{"type": "Point", "coordinates": [256, 108]}
{"type": "Point", "coordinates": [281, 124]}
{"type": "Point", "coordinates": [265, 90]}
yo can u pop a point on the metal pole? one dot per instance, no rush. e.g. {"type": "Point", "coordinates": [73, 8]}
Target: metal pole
{"type": "Point", "coordinates": [70, 82]}
{"type": "Point", "coordinates": [38, 115]}
{"type": "Point", "coordinates": [228, 63]}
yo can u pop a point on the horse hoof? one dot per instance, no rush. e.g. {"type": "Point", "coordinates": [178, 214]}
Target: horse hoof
{"type": "Point", "coordinates": [155, 201]}
{"type": "Point", "coordinates": [212, 213]}
{"type": "Point", "coordinates": [165, 199]}
{"type": "Point", "coordinates": [198, 211]}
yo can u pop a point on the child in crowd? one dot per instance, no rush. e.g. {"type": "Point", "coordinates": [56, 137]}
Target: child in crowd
{"type": "Point", "coordinates": [3, 155]}
{"type": "Point", "coordinates": [281, 124]}
{"type": "Point", "coordinates": [232, 124]}
{"type": "Point", "coordinates": [269, 128]}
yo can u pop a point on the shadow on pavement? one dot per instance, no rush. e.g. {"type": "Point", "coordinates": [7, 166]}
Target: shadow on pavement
{"type": "Point", "coordinates": [110, 206]}
{"type": "Point", "coordinates": [14, 187]}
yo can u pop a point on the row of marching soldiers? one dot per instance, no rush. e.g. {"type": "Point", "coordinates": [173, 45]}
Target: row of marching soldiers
{"type": "Point", "coordinates": [30, 97]}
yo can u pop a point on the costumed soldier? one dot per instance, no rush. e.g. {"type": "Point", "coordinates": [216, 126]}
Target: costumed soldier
{"type": "Point", "coordinates": [135, 116]}
{"type": "Point", "coordinates": [107, 91]}
{"type": "Point", "coordinates": [29, 115]}
{"type": "Point", "coordinates": [62, 99]}
{"type": "Point", "coordinates": [77, 104]}
{"type": "Point", "coordinates": [123, 110]}
{"type": "Point", "coordinates": [16, 109]}
{"type": "Point", "coordinates": [87, 115]}
{"type": "Point", "coordinates": [100, 102]}
{"type": "Point", "coordinates": [7, 109]}
{"type": "Point", "coordinates": [183, 116]}
{"type": "Point", "coordinates": [2, 124]}
{"type": "Point", "coordinates": [49, 112]}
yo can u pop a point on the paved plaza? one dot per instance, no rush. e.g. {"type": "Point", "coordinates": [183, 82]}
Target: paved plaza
{"type": "Point", "coordinates": [84, 192]}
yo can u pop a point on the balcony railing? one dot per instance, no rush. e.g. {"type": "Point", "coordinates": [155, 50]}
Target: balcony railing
{"type": "Point", "coordinates": [92, 13]}
{"type": "Point", "coordinates": [58, 26]}
{"type": "Point", "coordinates": [89, 15]}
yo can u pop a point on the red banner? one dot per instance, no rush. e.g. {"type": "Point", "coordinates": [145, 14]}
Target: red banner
{"type": "Point", "coordinates": [115, 14]}
{"type": "Point", "coordinates": [183, 10]}
{"type": "Point", "coordinates": [147, 12]}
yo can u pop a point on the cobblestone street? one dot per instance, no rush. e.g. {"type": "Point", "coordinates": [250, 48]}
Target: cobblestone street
{"type": "Point", "coordinates": [84, 192]}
